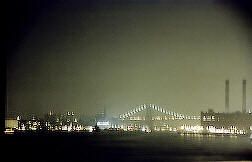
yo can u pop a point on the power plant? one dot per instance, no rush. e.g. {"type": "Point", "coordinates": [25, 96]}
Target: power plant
{"type": "Point", "coordinates": [235, 122]}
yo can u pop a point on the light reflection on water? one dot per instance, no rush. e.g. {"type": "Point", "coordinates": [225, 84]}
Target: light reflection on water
{"type": "Point", "coordinates": [138, 147]}
{"type": "Point", "coordinates": [192, 146]}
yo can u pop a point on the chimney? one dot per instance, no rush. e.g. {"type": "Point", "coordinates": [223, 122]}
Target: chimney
{"type": "Point", "coordinates": [244, 96]}
{"type": "Point", "coordinates": [227, 96]}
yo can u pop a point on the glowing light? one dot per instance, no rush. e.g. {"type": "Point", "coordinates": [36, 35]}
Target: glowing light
{"type": "Point", "coordinates": [143, 129]}
{"type": "Point", "coordinates": [9, 131]}
{"type": "Point", "coordinates": [103, 123]}
{"type": "Point", "coordinates": [64, 127]}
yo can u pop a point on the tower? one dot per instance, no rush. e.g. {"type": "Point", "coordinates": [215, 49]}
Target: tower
{"type": "Point", "coordinates": [148, 118]}
{"type": "Point", "coordinates": [227, 96]}
{"type": "Point", "coordinates": [244, 96]}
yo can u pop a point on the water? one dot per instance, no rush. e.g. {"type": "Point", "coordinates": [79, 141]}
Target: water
{"type": "Point", "coordinates": [131, 147]}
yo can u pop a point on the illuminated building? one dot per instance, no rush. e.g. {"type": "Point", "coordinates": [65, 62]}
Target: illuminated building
{"type": "Point", "coordinates": [231, 122]}
{"type": "Point", "coordinates": [101, 120]}
{"type": "Point", "coordinates": [50, 122]}
{"type": "Point", "coordinates": [11, 124]}
{"type": "Point", "coordinates": [31, 124]}
{"type": "Point", "coordinates": [234, 123]}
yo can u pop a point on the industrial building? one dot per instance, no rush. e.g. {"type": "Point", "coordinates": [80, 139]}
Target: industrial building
{"type": "Point", "coordinates": [231, 122]}
{"type": "Point", "coordinates": [235, 123]}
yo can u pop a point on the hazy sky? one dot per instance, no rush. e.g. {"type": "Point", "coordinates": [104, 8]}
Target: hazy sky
{"type": "Point", "coordinates": [176, 54]}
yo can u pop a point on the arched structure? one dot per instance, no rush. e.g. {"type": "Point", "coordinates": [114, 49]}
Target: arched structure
{"type": "Point", "coordinates": [154, 117]}
{"type": "Point", "coordinates": [178, 116]}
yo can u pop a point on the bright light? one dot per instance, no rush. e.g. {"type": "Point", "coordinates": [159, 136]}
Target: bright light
{"type": "Point", "coordinates": [64, 127]}
{"type": "Point", "coordinates": [103, 123]}
{"type": "Point", "coordinates": [9, 131]}
{"type": "Point", "coordinates": [89, 128]}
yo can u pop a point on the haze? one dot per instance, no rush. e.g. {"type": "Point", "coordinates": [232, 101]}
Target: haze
{"type": "Point", "coordinates": [90, 56]}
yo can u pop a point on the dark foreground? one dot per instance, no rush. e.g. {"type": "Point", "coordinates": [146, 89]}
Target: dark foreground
{"type": "Point", "coordinates": [125, 147]}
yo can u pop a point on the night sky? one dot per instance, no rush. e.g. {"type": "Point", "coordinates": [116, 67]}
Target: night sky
{"type": "Point", "coordinates": [87, 56]}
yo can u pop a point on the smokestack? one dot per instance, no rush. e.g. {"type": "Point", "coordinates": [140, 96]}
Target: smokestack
{"type": "Point", "coordinates": [227, 96]}
{"type": "Point", "coordinates": [244, 96]}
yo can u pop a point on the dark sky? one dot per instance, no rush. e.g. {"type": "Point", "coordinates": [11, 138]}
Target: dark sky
{"type": "Point", "coordinates": [84, 56]}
